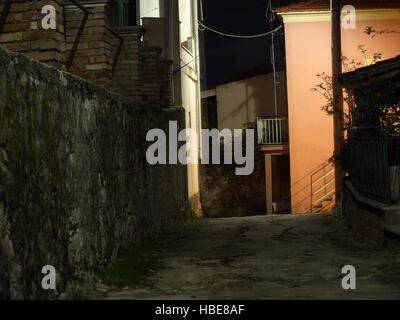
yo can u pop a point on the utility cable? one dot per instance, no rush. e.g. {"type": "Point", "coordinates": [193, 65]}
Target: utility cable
{"type": "Point", "coordinates": [238, 36]}
{"type": "Point", "coordinates": [270, 15]}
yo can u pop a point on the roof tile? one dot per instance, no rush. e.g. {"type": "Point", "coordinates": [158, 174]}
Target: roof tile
{"type": "Point", "coordinates": [324, 5]}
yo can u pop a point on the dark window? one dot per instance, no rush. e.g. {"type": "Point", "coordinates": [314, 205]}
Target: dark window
{"type": "Point", "coordinates": [123, 13]}
{"type": "Point", "coordinates": [209, 113]}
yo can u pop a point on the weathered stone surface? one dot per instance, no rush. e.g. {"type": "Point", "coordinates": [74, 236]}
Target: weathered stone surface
{"type": "Point", "coordinates": [365, 217]}
{"type": "Point", "coordinates": [74, 181]}
{"type": "Point", "coordinates": [223, 194]}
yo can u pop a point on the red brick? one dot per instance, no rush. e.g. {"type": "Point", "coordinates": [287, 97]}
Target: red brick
{"type": "Point", "coordinates": [16, 27]}
{"type": "Point", "coordinates": [81, 46]}
{"type": "Point", "coordinates": [32, 15]}
{"type": "Point", "coordinates": [95, 67]}
{"type": "Point", "coordinates": [22, 6]}
{"type": "Point", "coordinates": [81, 60]}
{"type": "Point", "coordinates": [48, 44]}
{"type": "Point", "coordinates": [93, 37]}
{"type": "Point", "coordinates": [98, 45]}
{"type": "Point", "coordinates": [73, 24]}
{"type": "Point", "coordinates": [7, 37]}
{"type": "Point", "coordinates": [101, 74]}
{"type": "Point", "coordinates": [87, 52]}
{"type": "Point", "coordinates": [41, 34]}
{"type": "Point", "coordinates": [44, 55]}
{"type": "Point", "coordinates": [98, 9]}
{"type": "Point", "coordinates": [100, 59]}
{"type": "Point", "coordinates": [17, 46]}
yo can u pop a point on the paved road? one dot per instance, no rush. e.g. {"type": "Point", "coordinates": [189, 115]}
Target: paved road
{"type": "Point", "coordinates": [274, 257]}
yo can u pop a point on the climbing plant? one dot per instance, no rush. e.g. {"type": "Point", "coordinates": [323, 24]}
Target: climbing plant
{"type": "Point", "coordinates": [374, 106]}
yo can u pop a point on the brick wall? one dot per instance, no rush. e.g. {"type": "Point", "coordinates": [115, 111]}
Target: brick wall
{"type": "Point", "coordinates": [165, 82]}
{"type": "Point", "coordinates": [126, 75]}
{"type": "Point", "coordinates": [23, 32]}
{"type": "Point", "coordinates": [92, 58]}
{"type": "Point", "coordinates": [140, 73]}
{"type": "Point", "coordinates": [156, 77]}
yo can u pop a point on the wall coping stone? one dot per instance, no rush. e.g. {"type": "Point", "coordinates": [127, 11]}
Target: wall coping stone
{"type": "Point", "coordinates": [380, 207]}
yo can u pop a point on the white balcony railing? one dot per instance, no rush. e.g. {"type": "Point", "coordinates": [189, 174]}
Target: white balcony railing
{"type": "Point", "coordinates": [272, 131]}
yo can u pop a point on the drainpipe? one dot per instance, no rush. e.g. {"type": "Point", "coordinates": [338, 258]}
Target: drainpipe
{"type": "Point", "coordinates": [337, 93]}
{"type": "Point", "coordinates": [171, 43]}
{"type": "Point", "coordinates": [195, 35]}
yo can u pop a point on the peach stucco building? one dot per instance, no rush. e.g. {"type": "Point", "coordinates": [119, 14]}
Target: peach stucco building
{"type": "Point", "coordinates": [308, 52]}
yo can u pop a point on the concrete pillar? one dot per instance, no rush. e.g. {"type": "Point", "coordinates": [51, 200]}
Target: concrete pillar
{"type": "Point", "coordinates": [268, 182]}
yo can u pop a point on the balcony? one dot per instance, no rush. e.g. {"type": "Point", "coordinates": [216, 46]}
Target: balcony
{"type": "Point", "coordinates": [273, 139]}
{"type": "Point", "coordinates": [272, 131]}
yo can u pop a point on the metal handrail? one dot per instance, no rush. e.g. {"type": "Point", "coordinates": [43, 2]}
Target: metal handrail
{"type": "Point", "coordinates": [324, 187]}
{"type": "Point", "coordinates": [315, 192]}
{"type": "Point", "coordinates": [321, 167]}
{"type": "Point", "coordinates": [324, 176]}
{"type": "Point", "coordinates": [311, 173]}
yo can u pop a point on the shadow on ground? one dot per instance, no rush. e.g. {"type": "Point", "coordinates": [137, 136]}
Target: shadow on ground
{"type": "Point", "coordinates": [270, 257]}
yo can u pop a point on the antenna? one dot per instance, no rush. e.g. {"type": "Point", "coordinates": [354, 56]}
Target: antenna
{"type": "Point", "coordinates": [270, 15]}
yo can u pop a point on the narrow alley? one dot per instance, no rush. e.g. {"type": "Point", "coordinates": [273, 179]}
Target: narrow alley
{"type": "Point", "coordinates": [271, 257]}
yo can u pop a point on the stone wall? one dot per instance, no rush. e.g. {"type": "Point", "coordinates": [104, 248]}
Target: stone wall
{"type": "Point", "coordinates": [222, 194]}
{"type": "Point", "coordinates": [74, 181]}
{"type": "Point", "coordinates": [365, 217]}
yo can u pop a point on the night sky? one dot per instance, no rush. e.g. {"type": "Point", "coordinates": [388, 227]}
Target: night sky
{"type": "Point", "coordinates": [225, 57]}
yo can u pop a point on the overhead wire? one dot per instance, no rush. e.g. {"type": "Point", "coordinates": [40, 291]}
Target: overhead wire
{"type": "Point", "coordinates": [231, 35]}
{"type": "Point", "coordinates": [270, 16]}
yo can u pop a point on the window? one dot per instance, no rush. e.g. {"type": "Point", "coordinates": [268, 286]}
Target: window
{"type": "Point", "coordinates": [123, 13]}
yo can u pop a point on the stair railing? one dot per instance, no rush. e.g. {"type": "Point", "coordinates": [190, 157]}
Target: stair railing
{"type": "Point", "coordinates": [321, 184]}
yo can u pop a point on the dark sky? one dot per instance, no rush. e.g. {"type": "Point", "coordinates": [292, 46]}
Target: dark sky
{"type": "Point", "coordinates": [227, 57]}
